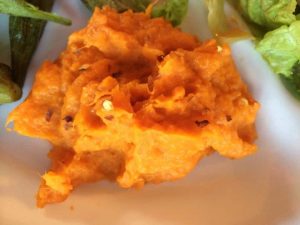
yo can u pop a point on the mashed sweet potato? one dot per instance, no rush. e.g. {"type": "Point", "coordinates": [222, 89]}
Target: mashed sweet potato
{"type": "Point", "coordinates": [134, 100]}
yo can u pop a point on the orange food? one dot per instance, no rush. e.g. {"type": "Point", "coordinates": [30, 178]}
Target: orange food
{"type": "Point", "coordinates": [134, 100]}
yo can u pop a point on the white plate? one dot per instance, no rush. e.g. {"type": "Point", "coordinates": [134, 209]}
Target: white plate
{"type": "Point", "coordinates": [263, 189]}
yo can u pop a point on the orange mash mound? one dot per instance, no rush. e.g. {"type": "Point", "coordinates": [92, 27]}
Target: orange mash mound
{"type": "Point", "coordinates": [134, 100]}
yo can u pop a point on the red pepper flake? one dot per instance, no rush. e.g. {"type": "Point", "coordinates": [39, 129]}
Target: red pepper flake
{"type": "Point", "coordinates": [201, 123]}
{"type": "Point", "coordinates": [160, 58]}
{"type": "Point", "coordinates": [48, 115]}
{"type": "Point", "coordinates": [68, 119]}
{"type": "Point", "coordinates": [228, 118]}
{"type": "Point", "coordinates": [109, 117]}
{"type": "Point", "coordinates": [116, 74]}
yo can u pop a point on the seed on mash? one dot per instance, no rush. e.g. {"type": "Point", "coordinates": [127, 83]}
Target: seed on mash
{"type": "Point", "coordinates": [107, 105]}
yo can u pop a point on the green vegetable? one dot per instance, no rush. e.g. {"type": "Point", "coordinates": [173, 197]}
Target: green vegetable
{"type": "Point", "coordinates": [25, 34]}
{"type": "Point", "coordinates": [9, 91]}
{"type": "Point", "coordinates": [224, 28]}
{"type": "Point", "coordinates": [269, 14]}
{"type": "Point", "coordinates": [281, 48]}
{"type": "Point", "coordinates": [277, 26]}
{"type": "Point", "coordinates": [25, 9]}
{"type": "Point", "coordinates": [119, 5]}
{"type": "Point", "coordinates": [172, 10]}
{"type": "Point", "coordinates": [292, 83]}
{"type": "Point", "coordinates": [217, 21]}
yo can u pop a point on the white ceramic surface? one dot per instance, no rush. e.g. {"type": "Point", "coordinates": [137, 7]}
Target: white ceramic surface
{"type": "Point", "coordinates": [263, 189]}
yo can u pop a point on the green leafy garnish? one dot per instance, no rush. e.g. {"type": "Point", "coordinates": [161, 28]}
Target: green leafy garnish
{"type": "Point", "coordinates": [276, 25]}
{"type": "Point", "coordinates": [172, 10]}
{"type": "Point", "coordinates": [24, 9]}
{"type": "Point", "coordinates": [281, 48]}
{"type": "Point", "coordinates": [9, 91]}
{"type": "Point", "coordinates": [269, 14]}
